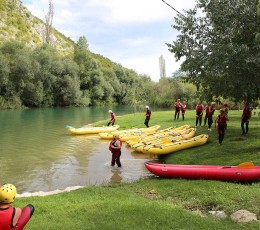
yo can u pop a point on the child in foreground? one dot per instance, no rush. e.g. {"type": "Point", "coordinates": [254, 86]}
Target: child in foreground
{"type": "Point", "coordinates": [12, 218]}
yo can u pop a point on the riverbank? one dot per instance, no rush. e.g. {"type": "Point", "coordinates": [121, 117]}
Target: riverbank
{"type": "Point", "coordinates": [156, 203]}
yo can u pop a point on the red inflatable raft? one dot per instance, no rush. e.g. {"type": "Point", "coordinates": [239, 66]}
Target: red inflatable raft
{"type": "Point", "coordinates": [244, 172]}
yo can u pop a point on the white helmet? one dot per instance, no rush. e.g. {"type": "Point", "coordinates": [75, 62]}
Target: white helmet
{"type": "Point", "coordinates": [147, 107]}
{"type": "Point", "coordinates": [110, 111]}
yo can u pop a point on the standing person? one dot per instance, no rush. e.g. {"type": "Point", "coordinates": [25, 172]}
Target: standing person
{"type": "Point", "coordinates": [11, 217]}
{"type": "Point", "coordinates": [211, 111]}
{"type": "Point", "coordinates": [115, 148]}
{"type": "Point", "coordinates": [177, 109]}
{"type": "Point", "coordinates": [226, 109]}
{"type": "Point", "coordinates": [183, 109]}
{"type": "Point", "coordinates": [246, 115]}
{"type": "Point", "coordinates": [112, 118]}
{"type": "Point", "coordinates": [199, 113]}
{"type": "Point", "coordinates": [206, 113]}
{"type": "Point", "coordinates": [220, 124]}
{"type": "Point", "coordinates": [148, 114]}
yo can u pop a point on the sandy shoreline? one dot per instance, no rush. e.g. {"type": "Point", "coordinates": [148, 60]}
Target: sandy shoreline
{"type": "Point", "coordinates": [41, 193]}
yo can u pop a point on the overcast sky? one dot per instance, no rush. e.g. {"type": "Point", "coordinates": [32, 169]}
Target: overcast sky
{"type": "Point", "coordinates": [130, 32]}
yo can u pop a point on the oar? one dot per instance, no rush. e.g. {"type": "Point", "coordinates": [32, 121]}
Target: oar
{"type": "Point", "coordinates": [247, 165]}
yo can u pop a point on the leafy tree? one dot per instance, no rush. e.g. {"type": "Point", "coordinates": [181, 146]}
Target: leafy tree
{"type": "Point", "coordinates": [221, 48]}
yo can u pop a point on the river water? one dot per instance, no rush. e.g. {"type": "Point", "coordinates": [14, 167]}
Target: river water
{"type": "Point", "coordinates": [38, 154]}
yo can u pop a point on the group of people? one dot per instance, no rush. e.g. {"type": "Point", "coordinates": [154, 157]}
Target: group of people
{"type": "Point", "coordinates": [12, 218]}
{"type": "Point", "coordinates": [180, 107]}
{"type": "Point", "coordinates": [220, 121]}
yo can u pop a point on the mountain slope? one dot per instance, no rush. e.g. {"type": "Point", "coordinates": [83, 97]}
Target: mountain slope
{"type": "Point", "coordinates": [16, 22]}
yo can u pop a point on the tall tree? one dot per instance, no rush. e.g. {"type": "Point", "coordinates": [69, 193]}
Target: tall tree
{"type": "Point", "coordinates": [220, 47]}
{"type": "Point", "coordinates": [48, 22]}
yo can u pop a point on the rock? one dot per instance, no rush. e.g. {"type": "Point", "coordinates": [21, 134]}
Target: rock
{"type": "Point", "coordinates": [218, 214]}
{"type": "Point", "coordinates": [243, 216]}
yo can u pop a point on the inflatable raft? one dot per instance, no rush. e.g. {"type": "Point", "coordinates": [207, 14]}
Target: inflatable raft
{"type": "Point", "coordinates": [166, 148]}
{"type": "Point", "coordinates": [130, 134]}
{"type": "Point", "coordinates": [244, 172]}
{"type": "Point", "coordinates": [92, 129]}
{"type": "Point", "coordinates": [139, 147]}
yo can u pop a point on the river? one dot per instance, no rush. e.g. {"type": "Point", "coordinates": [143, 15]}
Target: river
{"type": "Point", "coordinates": [38, 154]}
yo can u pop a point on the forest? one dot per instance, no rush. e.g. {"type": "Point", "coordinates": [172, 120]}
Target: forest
{"type": "Point", "coordinates": [219, 42]}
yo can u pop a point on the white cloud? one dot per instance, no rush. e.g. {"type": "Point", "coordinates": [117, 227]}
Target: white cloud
{"type": "Point", "coordinates": [130, 32]}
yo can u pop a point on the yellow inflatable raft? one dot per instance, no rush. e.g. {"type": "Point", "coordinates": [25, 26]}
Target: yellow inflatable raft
{"type": "Point", "coordinates": [166, 148]}
{"type": "Point", "coordinates": [129, 134]}
{"type": "Point", "coordinates": [92, 129]}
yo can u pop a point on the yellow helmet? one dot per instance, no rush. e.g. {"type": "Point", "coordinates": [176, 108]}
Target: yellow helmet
{"type": "Point", "coordinates": [213, 103]}
{"type": "Point", "coordinates": [116, 135]}
{"type": "Point", "coordinates": [7, 193]}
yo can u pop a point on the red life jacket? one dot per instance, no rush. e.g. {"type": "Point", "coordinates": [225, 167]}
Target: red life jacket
{"type": "Point", "coordinates": [222, 120]}
{"type": "Point", "coordinates": [183, 108]}
{"type": "Point", "coordinates": [207, 108]}
{"type": "Point", "coordinates": [112, 143]}
{"type": "Point", "coordinates": [199, 108]}
{"type": "Point", "coordinates": [246, 112]}
{"type": "Point", "coordinates": [178, 105]}
{"type": "Point", "coordinates": [148, 113]}
{"type": "Point", "coordinates": [6, 218]}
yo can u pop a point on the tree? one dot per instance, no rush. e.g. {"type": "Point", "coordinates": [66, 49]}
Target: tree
{"type": "Point", "coordinates": [220, 48]}
{"type": "Point", "coordinates": [48, 22]}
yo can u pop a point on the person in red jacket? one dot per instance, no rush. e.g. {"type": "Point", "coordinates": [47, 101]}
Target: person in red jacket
{"type": "Point", "coordinates": [12, 218]}
{"type": "Point", "coordinates": [112, 118]}
{"type": "Point", "coordinates": [183, 109]}
{"type": "Point", "coordinates": [246, 115]}
{"type": "Point", "coordinates": [177, 109]}
{"type": "Point", "coordinates": [148, 115]}
{"type": "Point", "coordinates": [206, 113]}
{"type": "Point", "coordinates": [220, 124]}
{"type": "Point", "coordinates": [115, 148]}
{"type": "Point", "coordinates": [199, 113]}
{"type": "Point", "coordinates": [211, 111]}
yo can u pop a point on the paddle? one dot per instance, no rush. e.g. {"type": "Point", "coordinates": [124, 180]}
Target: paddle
{"type": "Point", "coordinates": [247, 165]}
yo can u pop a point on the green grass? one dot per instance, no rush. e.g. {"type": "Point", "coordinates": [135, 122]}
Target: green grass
{"type": "Point", "coordinates": [156, 203]}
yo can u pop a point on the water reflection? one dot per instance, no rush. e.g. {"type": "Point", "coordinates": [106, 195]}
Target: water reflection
{"type": "Point", "coordinates": [38, 154]}
{"type": "Point", "coordinates": [116, 175]}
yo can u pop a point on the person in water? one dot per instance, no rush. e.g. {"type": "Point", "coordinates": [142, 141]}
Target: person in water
{"type": "Point", "coordinates": [12, 218]}
{"type": "Point", "coordinates": [112, 118]}
{"type": "Point", "coordinates": [148, 114]}
{"type": "Point", "coordinates": [115, 148]}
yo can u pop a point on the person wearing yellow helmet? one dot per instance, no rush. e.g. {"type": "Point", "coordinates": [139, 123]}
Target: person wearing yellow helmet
{"type": "Point", "coordinates": [11, 217]}
{"type": "Point", "coordinates": [115, 148]}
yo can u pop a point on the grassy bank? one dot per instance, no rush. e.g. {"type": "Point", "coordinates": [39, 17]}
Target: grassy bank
{"type": "Point", "coordinates": [156, 203]}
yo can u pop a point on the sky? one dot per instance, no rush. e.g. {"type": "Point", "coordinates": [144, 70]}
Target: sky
{"type": "Point", "coordinates": [132, 33]}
